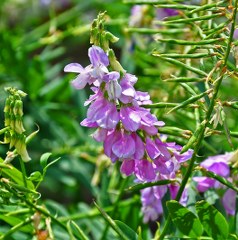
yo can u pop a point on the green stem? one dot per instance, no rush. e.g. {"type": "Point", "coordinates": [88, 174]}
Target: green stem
{"type": "Point", "coordinates": [208, 115]}
{"type": "Point", "coordinates": [23, 170]}
{"type": "Point", "coordinates": [115, 206]}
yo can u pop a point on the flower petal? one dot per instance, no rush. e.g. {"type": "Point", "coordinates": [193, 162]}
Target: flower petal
{"type": "Point", "coordinates": [73, 67]}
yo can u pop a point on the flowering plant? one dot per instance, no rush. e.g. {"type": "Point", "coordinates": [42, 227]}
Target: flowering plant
{"type": "Point", "coordinates": [154, 155]}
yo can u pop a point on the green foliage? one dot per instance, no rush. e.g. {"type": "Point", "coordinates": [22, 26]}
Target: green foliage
{"type": "Point", "coordinates": [212, 220]}
{"type": "Point", "coordinates": [185, 220]}
{"type": "Point", "coordinates": [187, 62]}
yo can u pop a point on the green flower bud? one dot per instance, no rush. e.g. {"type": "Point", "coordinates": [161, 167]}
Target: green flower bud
{"type": "Point", "coordinates": [13, 139]}
{"type": "Point", "coordinates": [21, 148]}
{"type": "Point", "coordinates": [7, 137]}
{"type": "Point", "coordinates": [18, 108]}
{"type": "Point", "coordinates": [19, 125]}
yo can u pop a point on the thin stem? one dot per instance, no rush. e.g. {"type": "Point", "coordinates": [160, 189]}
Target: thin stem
{"type": "Point", "coordinates": [23, 170]}
{"type": "Point", "coordinates": [115, 206]}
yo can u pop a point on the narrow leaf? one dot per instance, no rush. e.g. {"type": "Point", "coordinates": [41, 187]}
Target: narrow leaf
{"type": "Point", "coordinates": [112, 223]}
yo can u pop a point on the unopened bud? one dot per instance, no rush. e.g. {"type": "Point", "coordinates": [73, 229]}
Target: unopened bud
{"type": "Point", "coordinates": [21, 148]}
{"type": "Point", "coordinates": [18, 108]}
{"type": "Point", "coordinates": [110, 37]}
{"type": "Point", "coordinates": [13, 139]}
{"type": "Point", "coordinates": [114, 63]}
{"type": "Point", "coordinates": [19, 125]}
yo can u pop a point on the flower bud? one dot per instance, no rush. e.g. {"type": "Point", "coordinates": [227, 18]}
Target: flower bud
{"type": "Point", "coordinates": [21, 148]}
{"type": "Point", "coordinates": [19, 125]}
{"type": "Point", "coordinates": [18, 108]}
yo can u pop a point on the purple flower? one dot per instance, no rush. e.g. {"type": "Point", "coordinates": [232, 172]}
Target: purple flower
{"type": "Point", "coordinates": [217, 164]}
{"type": "Point", "coordinates": [128, 92]}
{"type": "Point", "coordinates": [98, 57]}
{"type": "Point", "coordinates": [130, 118]}
{"type": "Point", "coordinates": [151, 205]}
{"type": "Point", "coordinates": [142, 98]}
{"type": "Point", "coordinates": [93, 73]}
{"type": "Point", "coordinates": [104, 113]}
{"type": "Point", "coordinates": [173, 188]}
{"type": "Point", "coordinates": [144, 170]}
{"type": "Point", "coordinates": [119, 145]}
{"type": "Point", "coordinates": [229, 201]}
{"type": "Point", "coordinates": [163, 13]}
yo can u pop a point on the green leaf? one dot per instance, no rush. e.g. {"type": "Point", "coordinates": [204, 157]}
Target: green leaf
{"type": "Point", "coordinates": [130, 233]}
{"type": "Point", "coordinates": [13, 221]}
{"type": "Point", "coordinates": [112, 223]}
{"type": "Point", "coordinates": [16, 176]}
{"type": "Point", "coordinates": [212, 220]}
{"type": "Point", "coordinates": [44, 158]}
{"type": "Point", "coordinates": [35, 176]}
{"type": "Point", "coordinates": [184, 220]}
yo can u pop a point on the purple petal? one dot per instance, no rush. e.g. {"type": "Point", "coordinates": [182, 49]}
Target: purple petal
{"type": "Point", "coordinates": [152, 149]}
{"type": "Point", "coordinates": [144, 170]}
{"type": "Point", "coordinates": [229, 201]}
{"type": "Point", "coordinates": [80, 82]}
{"type": "Point", "coordinates": [128, 167]}
{"type": "Point", "coordinates": [109, 141]}
{"type": "Point", "coordinates": [97, 56]}
{"type": "Point", "coordinates": [87, 123]}
{"type": "Point", "coordinates": [111, 76]}
{"type": "Point", "coordinates": [139, 145]}
{"type": "Point", "coordinates": [124, 147]}
{"type": "Point", "coordinates": [73, 67]}
{"type": "Point", "coordinates": [100, 134]}
{"type": "Point", "coordinates": [130, 119]}
{"type": "Point", "coordinates": [204, 183]}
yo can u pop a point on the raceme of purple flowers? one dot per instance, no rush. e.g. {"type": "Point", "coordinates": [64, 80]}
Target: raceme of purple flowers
{"type": "Point", "coordinates": [129, 132]}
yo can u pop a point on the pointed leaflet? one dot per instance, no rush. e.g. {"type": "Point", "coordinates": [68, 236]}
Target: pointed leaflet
{"type": "Point", "coordinates": [212, 220]}
{"type": "Point", "coordinates": [184, 220]}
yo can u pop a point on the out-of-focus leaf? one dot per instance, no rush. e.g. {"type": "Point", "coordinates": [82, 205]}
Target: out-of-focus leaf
{"type": "Point", "coordinates": [15, 221]}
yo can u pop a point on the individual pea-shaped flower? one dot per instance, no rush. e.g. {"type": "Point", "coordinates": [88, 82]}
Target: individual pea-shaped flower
{"type": "Point", "coordinates": [217, 164]}
{"type": "Point", "coordinates": [94, 72]}
{"type": "Point", "coordinates": [103, 113]}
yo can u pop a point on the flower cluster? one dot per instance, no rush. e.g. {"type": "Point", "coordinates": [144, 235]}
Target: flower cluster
{"type": "Point", "coordinates": [219, 165]}
{"type": "Point", "coordinates": [115, 111]}
{"type": "Point", "coordinates": [129, 132]}
{"type": "Point", "coordinates": [14, 129]}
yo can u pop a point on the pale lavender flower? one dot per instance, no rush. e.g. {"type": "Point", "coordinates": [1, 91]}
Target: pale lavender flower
{"type": "Point", "coordinates": [229, 201]}
{"type": "Point", "coordinates": [151, 204]}
{"type": "Point", "coordinates": [127, 88]}
{"type": "Point", "coordinates": [113, 88]}
{"type": "Point", "coordinates": [130, 118]}
{"type": "Point", "coordinates": [144, 170]}
{"type": "Point", "coordinates": [142, 98]}
{"type": "Point", "coordinates": [94, 72]}
{"type": "Point", "coordinates": [217, 164]}
{"type": "Point", "coordinates": [163, 13]}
